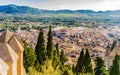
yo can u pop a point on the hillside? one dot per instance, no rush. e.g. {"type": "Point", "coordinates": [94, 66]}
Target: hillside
{"type": "Point", "coordinates": [12, 9]}
{"type": "Point", "coordinates": [15, 9]}
{"type": "Point", "coordinates": [62, 17]}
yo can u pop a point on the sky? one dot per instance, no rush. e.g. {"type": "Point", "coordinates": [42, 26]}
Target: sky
{"type": "Point", "coordinates": [97, 5]}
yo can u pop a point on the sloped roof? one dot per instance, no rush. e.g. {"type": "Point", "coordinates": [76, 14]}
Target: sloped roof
{"type": "Point", "coordinates": [5, 36]}
{"type": "Point", "coordinates": [115, 51]}
{"type": "Point", "coordinates": [15, 44]}
{"type": "Point", "coordinates": [4, 52]}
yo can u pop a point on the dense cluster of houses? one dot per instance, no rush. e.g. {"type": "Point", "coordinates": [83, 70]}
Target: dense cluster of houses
{"type": "Point", "coordinates": [73, 39]}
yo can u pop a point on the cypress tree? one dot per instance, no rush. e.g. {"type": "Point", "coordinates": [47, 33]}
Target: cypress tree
{"type": "Point", "coordinates": [56, 57]}
{"type": "Point", "coordinates": [84, 65]}
{"type": "Point", "coordinates": [55, 62]}
{"type": "Point", "coordinates": [63, 58]}
{"type": "Point", "coordinates": [29, 56]}
{"type": "Point", "coordinates": [50, 47]}
{"type": "Point", "coordinates": [57, 48]}
{"type": "Point", "coordinates": [100, 66]}
{"type": "Point", "coordinates": [115, 69]}
{"type": "Point", "coordinates": [40, 48]}
{"type": "Point", "coordinates": [88, 64]}
{"type": "Point", "coordinates": [65, 72]}
{"type": "Point", "coordinates": [80, 63]}
{"type": "Point", "coordinates": [73, 68]}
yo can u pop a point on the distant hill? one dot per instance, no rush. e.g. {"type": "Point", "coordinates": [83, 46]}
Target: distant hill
{"type": "Point", "coordinates": [15, 9]}
{"type": "Point", "coordinates": [17, 13]}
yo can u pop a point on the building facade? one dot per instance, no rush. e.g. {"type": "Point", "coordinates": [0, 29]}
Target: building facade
{"type": "Point", "coordinates": [11, 54]}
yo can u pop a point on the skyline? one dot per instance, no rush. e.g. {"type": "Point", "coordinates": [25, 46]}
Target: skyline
{"type": "Point", "coordinates": [96, 5]}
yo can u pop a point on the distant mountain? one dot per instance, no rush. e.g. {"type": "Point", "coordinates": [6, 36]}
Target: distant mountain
{"type": "Point", "coordinates": [85, 11]}
{"type": "Point", "coordinates": [15, 9]}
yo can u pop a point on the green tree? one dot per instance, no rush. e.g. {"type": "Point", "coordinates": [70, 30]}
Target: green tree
{"type": "Point", "coordinates": [50, 47]}
{"type": "Point", "coordinates": [29, 56]}
{"type": "Point", "coordinates": [65, 72]}
{"type": "Point", "coordinates": [115, 69]}
{"type": "Point", "coordinates": [73, 68]}
{"type": "Point", "coordinates": [40, 48]}
{"type": "Point", "coordinates": [80, 63]}
{"type": "Point", "coordinates": [84, 65]}
{"type": "Point", "coordinates": [88, 64]}
{"type": "Point", "coordinates": [56, 57]}
{"type": "Point", "coordinates": [63, 58]}
{"type": "Point", "coordinates": [100, 66]}
{"type": "Point", "coordinates": [57, 48]}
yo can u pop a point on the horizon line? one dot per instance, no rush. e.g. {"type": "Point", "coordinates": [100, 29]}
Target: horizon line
{"type": "Point", "coordinates": [60, 9]}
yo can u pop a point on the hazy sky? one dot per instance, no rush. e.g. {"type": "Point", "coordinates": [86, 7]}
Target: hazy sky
{"type": "Point", "coordinates": [67, 4]}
